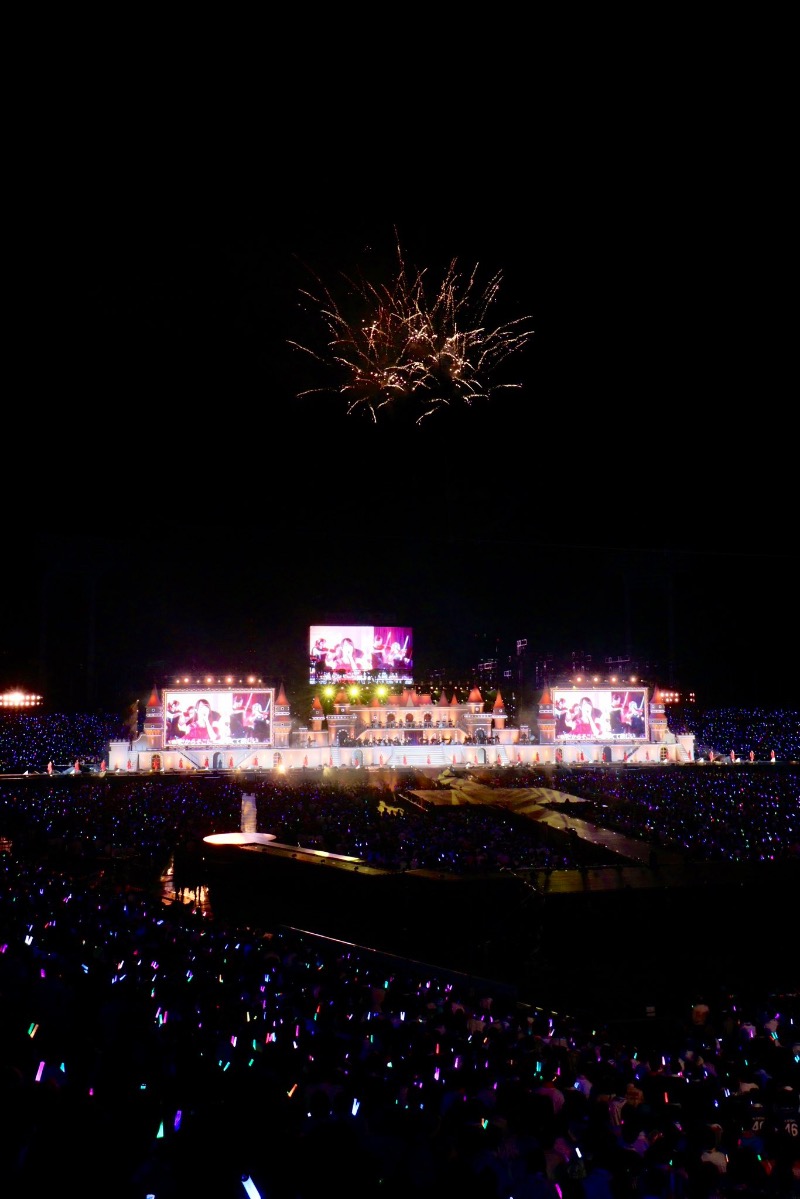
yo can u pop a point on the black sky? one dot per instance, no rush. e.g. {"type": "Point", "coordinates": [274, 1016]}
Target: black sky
{"type": "Point", "coordinates": [170, 501]}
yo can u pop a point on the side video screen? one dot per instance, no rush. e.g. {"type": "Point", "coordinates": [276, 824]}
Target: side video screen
{"type": "Point", "coordinates": [207, 718]}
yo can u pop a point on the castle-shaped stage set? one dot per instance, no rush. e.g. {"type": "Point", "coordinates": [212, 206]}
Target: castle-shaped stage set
{"type": "Point", "coordinates": [210, 726]}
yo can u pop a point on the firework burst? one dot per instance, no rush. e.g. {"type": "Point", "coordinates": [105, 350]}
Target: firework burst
{"type": "Point", "coordinates": [411, 344]}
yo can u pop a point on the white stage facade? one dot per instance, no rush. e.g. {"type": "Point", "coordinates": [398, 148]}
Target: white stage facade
{"type": "Point", "coordinates": [210, 727]}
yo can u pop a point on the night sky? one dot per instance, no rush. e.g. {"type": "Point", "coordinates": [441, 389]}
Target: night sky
{"type": "Point", "coordinates": [171, 502]}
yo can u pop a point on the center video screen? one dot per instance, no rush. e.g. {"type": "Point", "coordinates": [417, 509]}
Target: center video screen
{"type": "Point", "coordinates": [613, 715]}
{"type": "Point", "coordinates": [360, 653]}
{"type": "Point", "coordinates": [206, 718]}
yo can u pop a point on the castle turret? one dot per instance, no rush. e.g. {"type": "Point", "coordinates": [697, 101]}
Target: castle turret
{"type": "Point", "coordinates": [154, 720]}
{"type": "Point", "coordinates": [317, 715]}
{"type": "Point", "coordinates": [477, 723]}
{"type": "Point", "coordinates": [499, 712]}
{"type": "Point", "coordinates": [547, 720]}
{"type": "Point", "coordinates": [281, 719]}
{"type": "Point", "coordinates": [658, 716]}
{"type": "Point", "coordinates": [342, 720]}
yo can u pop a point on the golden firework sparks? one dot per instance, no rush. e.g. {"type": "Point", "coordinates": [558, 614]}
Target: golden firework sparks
{"type": "Point", "coordinates": [412, 343]}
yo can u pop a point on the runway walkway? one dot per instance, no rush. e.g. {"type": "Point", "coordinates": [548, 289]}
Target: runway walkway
{"type": "Point", "coordinates": [619, 935]}
{"type": "Point", "coordinates": [639, 865]}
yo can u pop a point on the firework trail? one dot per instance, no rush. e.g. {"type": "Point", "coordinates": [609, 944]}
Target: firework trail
{"type": "Point", "coordinates": [395, 346]}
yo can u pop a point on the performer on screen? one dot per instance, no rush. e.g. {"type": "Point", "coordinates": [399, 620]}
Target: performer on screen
{"type": "Point", "coordinates": [260, 722]}
{"type": "Point", "coordinates": [205, 726]}
{"type": "Point", "coordinates": [389, 647]}
{"type": "Point", "coordinates": [627, 714]}
{"type": "Point", "coordinates": [237, 718]}
{"type": "Point", "coordinates": [345, 658]}
{"type": "Point", "coordinates": [618, 701]}
{"type": "Point", "coordinates": [319, 653]}
{"type": "Point", "coordinates": [588, 723]}
{"type": "Point", "coordinates": [564, 721]}
{"type": "Point", "coordinates": [635, 717]}
{"type": "Point", "coordinates": [395, 655]}
{"type": "Point", "coordinates": [176, 721]}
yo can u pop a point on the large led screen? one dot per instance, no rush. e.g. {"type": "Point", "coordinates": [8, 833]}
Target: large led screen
{"type": "Point", "coordinates": [207, 718]}
{"type": "Point", "coordinates": [612, 715]}
{"type": "Point", "coordinates": [356, 653]}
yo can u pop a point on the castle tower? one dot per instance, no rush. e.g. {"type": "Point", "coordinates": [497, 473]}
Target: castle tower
{"type": "Point", "coordinates": [658, 716]}
{"type": "Point", "coordinates": [547, 720]}
{"type": "Point", "coordinates": [281, 719]}
{"type": "Point", "coordinates": [477, 722]}
{"type": "Point", "coordinates": [154, 721]}
{"type": "Point", "coordinates": [317, 715]}
{"type": "Point", "coordinates": [341, 722]}
{"type": "Point", "coordinates": [499, 712]}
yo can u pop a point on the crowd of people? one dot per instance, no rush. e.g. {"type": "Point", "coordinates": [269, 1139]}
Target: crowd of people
{"type": "Point", "coordinates": [149, 1048]}
{"type": "Point", "coordinates": [29, 740]}
{"type": "Point", "coordinates": [707, 814]}
{"type": "Point", "coordinates": [741, 731]}
{"type": "Point", "coordinates": [151, 817]}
